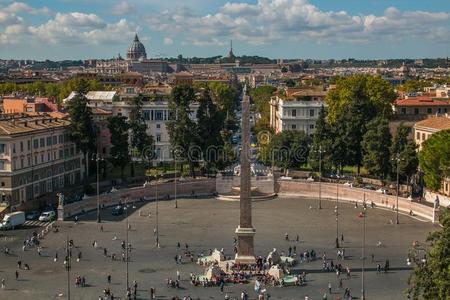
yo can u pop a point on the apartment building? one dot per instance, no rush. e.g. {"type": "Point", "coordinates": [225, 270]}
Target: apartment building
{"type": "Point", "coordinates": [37, 159]}
{"type": "Point", "coordinates": [298, 109]}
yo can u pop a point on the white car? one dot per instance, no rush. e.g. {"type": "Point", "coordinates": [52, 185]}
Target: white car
{"type": "Point", "coordinates": [47, 216]}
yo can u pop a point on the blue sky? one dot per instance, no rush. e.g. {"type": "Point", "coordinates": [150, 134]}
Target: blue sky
{"type": "Point", "coordinates": [321, 29]}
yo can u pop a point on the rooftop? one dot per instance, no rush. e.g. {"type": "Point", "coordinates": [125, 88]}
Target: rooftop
{"type": "Point", "coordinates": [422, 101]}
{"type": "Point", "coordinates": [437, 123]}
{"type": "Point", "coordinates": [25, 123]}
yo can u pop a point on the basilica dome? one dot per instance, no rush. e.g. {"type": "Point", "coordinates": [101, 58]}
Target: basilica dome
{"type": "Point", "coordinates": [136, 51]}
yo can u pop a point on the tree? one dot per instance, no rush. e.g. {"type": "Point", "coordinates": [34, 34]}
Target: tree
{"type": "Point", "coordinates": [141, 143]}
{"type": "Point", "coordinates": [290, 149]}
{"type": "Point", "coordinates": [209, 126]}
{"type": "Point", "coordinates": [82, 129]}
{"type": "Point", "coordinates": [290, 83]}
{"type": "Point", "coordinates": [354, 103]}
{"type": "Point", "coordinates": [434, 159]}
{"type": "Point", "coordinates": [403, 151]}
{"type": "Point", "coordinates": [322, 140]}
{"type": "Point", "coordinates": [376, 143]}
{"type": "Point", "coordinates": [224, 96]}
{"type": "Point", "coordinates": [261, 98]}
{"type": "Point", "coordinates": [182, 130]}
{"type": "Point", "coordinates": [431, 279]}
{"type": "Point", "coordinates": [120, 155]}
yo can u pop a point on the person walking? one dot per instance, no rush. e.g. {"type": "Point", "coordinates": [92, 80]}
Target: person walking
{"type": "Point", "coordinates": [17, 275]}
{"type": "Point", "coordinates": [108, 278]}
{"type": "Point", "coordinates": [329, 288]}
{"type": "Point", "coordinates": [3, 283]}
{"type": "Point", "coordinates": [178, 275]}
{"type": "Point", "coordinates": [19, 265]}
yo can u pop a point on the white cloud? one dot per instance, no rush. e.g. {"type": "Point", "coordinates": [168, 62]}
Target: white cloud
{"type": "Point", "coordinates": [269, 21]}
{"type": "Point", "coordinates": [168, 41]}
{"type": "Point", "coordinates": [123, 8]}
{"type": "Point", "coordinates": [18, 7]}
{"type": "Point", "coordinates": [78, 27]}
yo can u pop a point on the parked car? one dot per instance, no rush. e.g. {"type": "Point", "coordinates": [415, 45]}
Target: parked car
{"type": "Point", "coordinates": [34, 215]}
{"type": "Point", "coordinates": [47, 216]}
{"type": "Point", "coordinates": [117, 211]}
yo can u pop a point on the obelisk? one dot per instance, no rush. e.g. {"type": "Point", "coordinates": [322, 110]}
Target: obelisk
{"type": "Point", "coordinates": [245, 231]}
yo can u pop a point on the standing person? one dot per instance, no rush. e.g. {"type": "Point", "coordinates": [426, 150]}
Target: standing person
{"type": "Point", "coordinates": [3, 283]}
{"type": "Point", "coordinates": [109, 278]}
{"type": "Point", "coordinates": [17, 275]}
{"type": "Point", "coordinates": [178, 275]}
{"type": "Point", "coordinates": [101, 228]}
{"type": "Point", "coordinates": [19, 264]}
{"type": "Point", "coordinates": [342, 238]}
{"type": "Point", "coordinates": [329, 288]}
{"type": "Point", "coordinates": [152, 293]}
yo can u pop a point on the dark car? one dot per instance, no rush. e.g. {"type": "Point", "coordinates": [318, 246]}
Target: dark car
{"type": "Point", "coordinates": [117, 211]}
{"type": "Point", "coordinates": [34, 215]}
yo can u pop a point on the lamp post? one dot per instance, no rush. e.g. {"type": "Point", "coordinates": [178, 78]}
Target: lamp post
{"type": "Point", "coordinates": [68, 265]}
{"type": "Point", "coordinates": [126, 245]}
{"type": "Point", "coordinates": [336, 210]}
{"type": "Point", "coordinates": [363, 216]}
{"type": "Point", "coordinates": [397, 160]}
{"type": "Point", "coordinates": [157, 204]}
{"type": "Point", "coordinates": [320, 151]}
{"type": "Point", "coordinates": [98, 188]}
{"type": "Point", "coordinates": [175, 194]}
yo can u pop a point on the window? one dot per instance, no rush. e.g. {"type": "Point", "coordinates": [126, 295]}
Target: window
{"type": "Point", "coordinates": [423, 137]}
{"type": "Point", "coordinates": [158, 126]}
{"type": "Point", "coordinates": [159, 115]}
{"type": "Point", "coordinates": [61, 181]}
{"type": "Point", "coordinates": [158, 138]}
{"type": "Point", "coordinates": [429, 110]}
{"type": "Point", "coordinates": [294, 126]}
{"type": "Point", "coordinates": [294, 112]}
{"type": "Point", "coordinates": [35, 160]}
{"type": "Point", "coordinates": [29, 160]}
{"type": "Point", "coordinates": [418, 136]}
{"type": "Point", "coordinates": [2, 164]}
{"type": "Point", "coordinates": [55, 140]}
{"type": "Point", "coordinates": [3, 183]}
{"type": "Point", "coordinates": [416, 111]}
{"type": "Point", "coordinates": [42, 142]}
{"type": "Point", "coordinates": [28, 145]}
{"type": "Point", "coordinates": [311, 126]}
{"type": "Point", "coordinates": [42, 158]}
{"type": "Point", "coordinates": [49, 141]}
{"type": "Point", "coordinates": [439, 110]}
{"type": "Point", "coordinates": [48, 156]}
{"type": "Point", "coordinates": [2, 148]}
{"type": "Point", "coordinates": [403, 111]}
{"type": "Point", "coordinates": [21, 146]}
{"type": "Point", "coordinates": [21, 163]}
{"type": "Point", "coordinates": [14, 164]}
{"type": "Point", "coordinates": [14, 147]}
{"type": "Point", "coordinates": [61, 138]}
{"type": "Point", "coordinates": [36, 144]}
{"type": "Point", "coordinates": [130, 90]}
{"type": "Point", "coordinates": [49, 186]}
{"type": "Point", "coordinates": [311, 112]}
{"type": "Point", "coordinates": [146, 115]}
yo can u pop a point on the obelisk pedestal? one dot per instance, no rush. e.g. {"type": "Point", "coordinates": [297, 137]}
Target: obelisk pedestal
{"type": "Point", "coordinates": [245, 231]}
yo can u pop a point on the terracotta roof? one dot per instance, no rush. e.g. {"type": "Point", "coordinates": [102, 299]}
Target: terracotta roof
{"type": "Point", "coordinates": [438, 123]}
{"type": "Point", "coordinates": [99, 111]}
{"type": "Point", "coordinates": [422, 101]}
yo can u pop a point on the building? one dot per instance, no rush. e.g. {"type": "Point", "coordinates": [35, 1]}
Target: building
{"type": "Point", "coordinates": [37, 159]}
{"type": "Point", "coordinates": [421, 106]}
{"type": "Point", "coordinates": [297, 110]}
{"type": "Point", "coordinates": [423, 130]}
{"type": "Point", "coordinates": [28, 105]}
{"type": "Point", "coordinates": [136, 51]}
{"type": "Point", "coordinates": [183, 78]}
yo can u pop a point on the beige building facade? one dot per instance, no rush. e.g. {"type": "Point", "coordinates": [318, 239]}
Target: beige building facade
{"type": "Point", "coordinates": [36, 159]}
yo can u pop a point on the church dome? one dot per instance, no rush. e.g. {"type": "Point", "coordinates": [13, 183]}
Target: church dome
{"type": "Point", "coordinates": [136, 50]}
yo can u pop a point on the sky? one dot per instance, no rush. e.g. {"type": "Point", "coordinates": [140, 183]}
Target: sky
{"type": "Point", "coordinates": [317, 29]}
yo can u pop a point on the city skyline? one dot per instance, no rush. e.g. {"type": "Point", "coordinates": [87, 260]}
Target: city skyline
{"type": "Point", "coordinates": [317, 29]}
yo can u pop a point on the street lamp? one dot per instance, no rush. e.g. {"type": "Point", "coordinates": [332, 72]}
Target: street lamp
{"type": "Point", "coordinates": [336, 210]}
{"type": "Point", "coordinates": [98, 159]}
{"type": "Point", "coordinates": [320, 151]}
{"type": "Point", "coordinates": [126, 245]}
{"type": "Point", "coordinates": [157, 204]}
{"type": "Point", "coordinates": [175, 194]}
{"type": "Point", "coordinates": [363, 216]}
{"type": "Point", "coordinates": [68, 265]}
{"type": "Point", "coordinates": [397, 160]}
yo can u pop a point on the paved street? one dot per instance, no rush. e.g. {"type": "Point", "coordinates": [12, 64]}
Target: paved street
{"type": "Point", "coordinates": [205, 224]}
